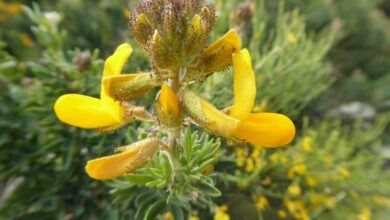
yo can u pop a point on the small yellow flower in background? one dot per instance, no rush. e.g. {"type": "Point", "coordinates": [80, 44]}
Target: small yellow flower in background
{"type": "Point", "coordinates": [13, 8]}
{"type": "Point", "coordinates": [193, 217]}
{"type": "Point", "coordinates": [365, 214]}
{"type": "Point", "coordinates": [262, 203]}
{"type": "Point", "coordinates": [328, 159]}
{"type": "Point", "coordinates": [127, 13]}
{"type": "Point", "coordinates": [292, 37]}
{"type": "Point", "coordinates": [27, 41]}
{"type": "Point", "coordinates": [221, 213]}
{"type": "Point", "coordinates": [282, 214]}
{"type": "Point", "coordinates": [296, 208]}
{"type": "Point", "coordinates": [297, 170]}
{"type": "Point", "coordinates": [278, 158]}
{"type": "Point", "coordinates": [307, 143]}
{"type": "Point", "coordinates": [353, 195]}
{"type": "Point", "coordinates": [294, 190]}
{"type": "Point", "coordinates": [382, 200]}
{"type": "Point", "coordinates": [267, 181]}
{"type": "Point", "coordinates": [311, 181]}
{"type": "Point", "coordinates": [169, 216]}
{"type": "Point", "coordinates": [250, 165]}
{"type": "Point", "coordinates": [318, 200]}
{"type": "Point", "coordinates": [344, 172]}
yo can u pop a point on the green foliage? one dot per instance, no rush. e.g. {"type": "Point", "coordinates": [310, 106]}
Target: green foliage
{"type": "Point", "coordinates": [307, 55]}
{"type": "Point", "coordinates": [172, 181]}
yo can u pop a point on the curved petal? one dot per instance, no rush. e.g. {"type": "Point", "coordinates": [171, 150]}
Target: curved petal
{"type": "Point", "coordinates": [133, 157]}
{"type": "Point", "coordinates": [218, 56]}
{"type": "Point", "coordinates": [111, 166]}
{"type": "Point", "coordinates": [83, 111]}
{"type": "Point", "coordinates": [128, 87]}
{"type": "Point", "coordinates": [114, 64]}
{"type": "Point", "coordinates": [266, 129]}
{"type": "Point", "coordinates": [244, 85]}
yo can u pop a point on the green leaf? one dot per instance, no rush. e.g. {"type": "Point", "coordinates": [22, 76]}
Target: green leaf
{"type": "Point", "coordinates": [154, 210]}
{"type": "Point", "coordinates": [177, 211]}
{"type": "Point", "coordinates": [209, 189]}
{"type": "Point", "coordinates": [139, 179]}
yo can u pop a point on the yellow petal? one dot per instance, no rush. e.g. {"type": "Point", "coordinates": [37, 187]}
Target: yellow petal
{"type": "Point", "coordinates": [83, 111]}
{"type": "Point", "coordinates": [111, 166]}
{"type": "Point", "coordinates": [207, 116]}
{"type": "Point", "coordinates": [133, 157]}
{"type": "Point", "coordinates": [244, 85]}
{"type": "Point", "coordinates": [114, 64]}
{"type": "Point", "coordinates": [266, 129]}
{"type": "Point", "coordinates": [218, 56]}
{"type": "Point", "coordinates": [169, 102]}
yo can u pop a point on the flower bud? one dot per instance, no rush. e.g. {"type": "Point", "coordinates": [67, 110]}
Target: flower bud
{"type": "Point", "coordinates": [141, 29]}
{"type": "Point", "coordinates": [176, 31]}
{"type": "Point", "coordinates": [168, 108]}
{"type": "Point", "coordinates": [129, 87]}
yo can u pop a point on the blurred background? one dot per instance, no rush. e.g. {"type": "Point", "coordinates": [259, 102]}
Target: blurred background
{"type": "Point", "coordinates": [324, 63]}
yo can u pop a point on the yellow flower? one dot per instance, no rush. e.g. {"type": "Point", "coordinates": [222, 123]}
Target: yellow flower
{"type": "Point", "coordinates": [278, 157]}
{"type": "Point", "coordinates": [311, 181]}
{"type": "Point", "coordinates": [294, 190]}
{"type": "Point", "coordinates": [193, 217]}
{"type": "Point", "coordinates": [14, 8]}
{"type": "Point", "coordinates": [250, 166]}
{"type": "Point", "coordinates": [221, 213]}
{"type": "Point", "coordinates": [127, 13]}
{"type": "Point", "coordinates": [282, 214]}
{"type": "Point", "coordinates": [26, 40]}
{"type": "Point", "coordinates": [292, 37]}
{"type": "Point", "coordinates": [168, 216]}
{"type": "Point", "coordinates": [267, 181]}
{"type": "Point", "coordinates": [307, 143]}
{"type": "Point", "coordinates": [365, 214]}
{"type": "Point", "coordinates": [131, 158]}
{"type": "Point", "coordinates": [168, 107]}
{"type": "Point", "coordinates": [344, 172]}
{"type": "Point", "coordinates": [92, 113]}
{"type": "Point", "coordinates": [261, 129]}
{"type": "Point", "coordinates": [297, 169]}
{"type": "Point", "coordinates": [262, 203]}
{"type": "Point", "coordinates": [382, 200]}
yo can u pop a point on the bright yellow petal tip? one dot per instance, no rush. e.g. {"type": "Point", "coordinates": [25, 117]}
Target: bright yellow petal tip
{"type": "Point", "coordinates": [134, 157]}
{"type": "Point", "coordinates": [83, 111]}
{"type": "Point", "coordinates": [266, 129]}
{"type": "Point", "coordinates": [114, 64]}
{"type": "Point", "coordinates": [219, 54]}
{"type": "Point", "coordinates": [169, 101]}
{"type": "Point", "coordinates": [244, 85]}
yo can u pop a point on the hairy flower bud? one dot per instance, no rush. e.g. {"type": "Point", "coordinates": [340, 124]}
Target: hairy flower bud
{"type": "Point", "coordinates": [173, 33]}
{"type": "Point", "coordinates": [141, 29]}
{"type": "Point", "coordinates": [129, 87]}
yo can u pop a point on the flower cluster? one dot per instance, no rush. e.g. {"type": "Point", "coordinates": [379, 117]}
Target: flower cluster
{"type": "Point", "coordinates": [175, 68]}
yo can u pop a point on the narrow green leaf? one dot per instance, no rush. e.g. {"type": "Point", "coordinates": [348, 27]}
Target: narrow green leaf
{"type": "Point", "coordinates": [154, 210]}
